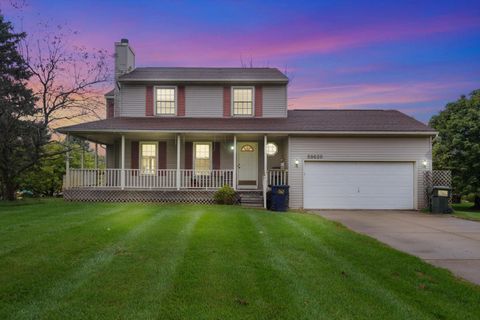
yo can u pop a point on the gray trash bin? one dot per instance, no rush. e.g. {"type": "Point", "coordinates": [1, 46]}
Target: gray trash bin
{"type": "Point", "coordinates": [439, 199]}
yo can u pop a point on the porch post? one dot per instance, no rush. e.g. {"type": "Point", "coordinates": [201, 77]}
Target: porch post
{"type": "Point", "coordinates": [67, 162]}
{"type": "Point", "coordinates": [234, 182]}
{"type": "Point", "coordinates": [265, 171]}
{"type": "Point", "coordinates": [122, 173]}
{"type": "Point", "coordinates": [178, 161]}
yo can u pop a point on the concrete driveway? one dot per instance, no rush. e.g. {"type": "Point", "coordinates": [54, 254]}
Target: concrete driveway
{"type": "Point", "coordinates": [441, 240]}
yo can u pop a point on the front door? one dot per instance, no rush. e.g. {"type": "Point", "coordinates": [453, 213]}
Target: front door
{"type": "Point", "coordinates": [247, 165]}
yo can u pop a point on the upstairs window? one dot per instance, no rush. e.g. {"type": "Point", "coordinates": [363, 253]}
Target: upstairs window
{"type": "Point", "coordinates": [202, 158]}
{"type": "Point", "coordinates": [165, 100]}
{"type": "Point", "coordinates": [148, 157]}
{"type": "Point", "coordinates": [243, 101]}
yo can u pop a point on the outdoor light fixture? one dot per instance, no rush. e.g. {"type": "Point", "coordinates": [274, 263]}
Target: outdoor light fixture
{"type": "Point", "coordinates": [232, 147]}
{"type": "Point", "coordinates": [296, 163]}
{"type": "Point", "coordinates": [425, 163]}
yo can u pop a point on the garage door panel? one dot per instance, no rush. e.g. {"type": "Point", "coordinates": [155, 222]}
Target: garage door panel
{"type": "Point", "coordinates": [358, 185]}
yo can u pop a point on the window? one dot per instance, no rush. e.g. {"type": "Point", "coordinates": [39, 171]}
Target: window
{"type": "Point", "coordinates": [271, 149]}
{"type": "Point", "coordinates": [202, 158]}
{"type": "Point", "coordinates": [247, 148]}
{"type": "Point", "coordinates": [243, 101]}
{"type": "Point", "coordinates": [148, 157]}
{"type": "Point", "coordinates": [165, 101]}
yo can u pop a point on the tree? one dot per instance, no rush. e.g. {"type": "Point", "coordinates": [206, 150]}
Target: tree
{"type": "Point", "coordinates": [457, 146]}
{"type": "Point", "coordinates": [68, 81]}
{"type": "Point", "coordinates": [46, 178]}
{"type": "Point", "coordinates": [21, 137]}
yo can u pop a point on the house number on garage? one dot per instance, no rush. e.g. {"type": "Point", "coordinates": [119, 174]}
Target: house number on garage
{"type": "Point", "coordinates": [314, 156]}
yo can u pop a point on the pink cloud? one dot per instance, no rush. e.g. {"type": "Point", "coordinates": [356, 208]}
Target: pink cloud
{"type": "Point", "coordinates": [262, 45]}
{"type": "Point", "coordinates": [371, 95]}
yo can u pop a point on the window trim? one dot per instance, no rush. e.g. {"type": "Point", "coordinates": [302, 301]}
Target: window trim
{"type": "Point", "coordinates": [174, 114]}
{"type": "Point", "coordinates": [140, 143]}
{"type": "Point", "coordinates": [232, 102]}
{"type": "Point", "coordinates": [194, 155]}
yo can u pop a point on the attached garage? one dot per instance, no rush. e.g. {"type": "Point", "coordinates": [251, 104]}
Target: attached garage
{"type": "Point", "coordinates": [358, 185]}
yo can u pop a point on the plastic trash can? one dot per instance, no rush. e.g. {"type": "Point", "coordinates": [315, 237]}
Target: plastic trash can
{"type": "Point", "coordinates": [439, 199]}
{"type": "Point", "coordinates": [280, 194]}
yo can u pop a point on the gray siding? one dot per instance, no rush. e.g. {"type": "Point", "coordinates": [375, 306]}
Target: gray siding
{"type": "Point", "coordinates": [200, 101]}
{"type": "Point", "coordinates": [204, 101]}
{"type": "Point", "coordinates": [275, 101]}
{"type": "Point", "coordinates": [132, 101]}
{"type": "Point", "coordinates": [357, 149]}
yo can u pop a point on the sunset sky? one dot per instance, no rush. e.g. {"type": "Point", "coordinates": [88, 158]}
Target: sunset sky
{"type": "Point", "coordinates": [409, 55]}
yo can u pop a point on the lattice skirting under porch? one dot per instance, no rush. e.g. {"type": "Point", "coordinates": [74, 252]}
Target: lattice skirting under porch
{"type": "Point", "coordinates": [160, 196]}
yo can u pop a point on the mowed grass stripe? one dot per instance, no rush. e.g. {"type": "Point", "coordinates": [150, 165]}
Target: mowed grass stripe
{"type": "Point", "coordinates": [223, 275]}
{"type": "Point", "coordinates": [125, 228]}
{"type": "Point", "coordinates": [279, 251]}
{"type": "Point", "coordinates": [368, 292]}
{"type": "Point", "coordinates": [408, 279]}
{"type": "Point", "coordinates": [54, 228]}
{"type": "Point", "coordinates": [138, 272]}
{"type": "Point", "coordinates": [23, 216]}
{"type": "Point", "coordinates": [43, 262]}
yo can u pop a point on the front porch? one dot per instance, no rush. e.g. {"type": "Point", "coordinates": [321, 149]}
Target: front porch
{"type": "Point", "coordinates": [181, 167]}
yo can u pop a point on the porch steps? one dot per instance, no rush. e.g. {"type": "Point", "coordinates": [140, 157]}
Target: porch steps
{"type": "Point", "coordinates": [252, 199]}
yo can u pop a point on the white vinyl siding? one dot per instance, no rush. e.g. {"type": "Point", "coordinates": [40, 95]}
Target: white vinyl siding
{"type": "Point", "coordinates": [414, 149]}
{"type": "Point", "coordinates": [204, 101]}
{"type": "Point", "coordinates": [132, 101]}
{"type": "Point", "coordinates": [274, 101]}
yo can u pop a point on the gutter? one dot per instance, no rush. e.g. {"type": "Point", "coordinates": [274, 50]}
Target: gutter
{"type": "Point", "coordinates": [388, 133]}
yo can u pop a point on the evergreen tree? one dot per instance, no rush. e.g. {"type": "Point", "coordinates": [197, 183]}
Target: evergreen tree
{"type": "Point", "coordinates": [21, 137]}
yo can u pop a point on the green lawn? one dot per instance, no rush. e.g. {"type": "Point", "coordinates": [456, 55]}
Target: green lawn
{"type": "Point", "coordinates": [133, 261]}
{"type": "Point", "coordinates": [463, 210]}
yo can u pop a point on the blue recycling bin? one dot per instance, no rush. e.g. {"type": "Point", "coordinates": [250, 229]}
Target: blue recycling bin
{"type": "Point", "coordinates": [280, 195]}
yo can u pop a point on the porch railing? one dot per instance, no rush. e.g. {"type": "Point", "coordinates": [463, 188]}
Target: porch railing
{"type": "Point", "coordinates": [209, 179]}
{"type": "Point", "coordinates": [90, 178]}
{"type": "Point", "coordinates": [277, 177]}
{"type": "Point", "coordinates": [158, 179]}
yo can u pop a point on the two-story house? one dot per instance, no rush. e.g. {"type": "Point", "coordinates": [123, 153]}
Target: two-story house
{"type": "Point", "coordinates": [178, 134]}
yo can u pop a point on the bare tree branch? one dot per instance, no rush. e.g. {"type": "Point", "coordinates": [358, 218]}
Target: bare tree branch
{"type": "Point", "coordinates": [68, 80]}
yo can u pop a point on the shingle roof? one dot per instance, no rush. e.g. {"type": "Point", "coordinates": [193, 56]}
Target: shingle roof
{"type": "Point", "coordinates": [205, 75]}
{"type": "Point", "coordinates": [356, 121]}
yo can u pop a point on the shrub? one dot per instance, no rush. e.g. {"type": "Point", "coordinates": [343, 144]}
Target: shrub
{"type": "Point", "coordinates": [470, 197]}
{"type": "Point", "coordinates": [225, 195]}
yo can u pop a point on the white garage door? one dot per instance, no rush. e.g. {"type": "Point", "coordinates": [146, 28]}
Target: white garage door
{"type": "Point", "coordinates": [358, 185]}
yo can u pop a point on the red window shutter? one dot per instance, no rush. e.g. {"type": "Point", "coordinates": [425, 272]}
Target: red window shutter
{"type": "Point", "coordinates": [162, 155]}
{"type": "Point", "coordinates": [149, 101]}
{"type": "Point", "coordinates": [181, 101]}
{"type": "Point", "coordinates": [227, 101]}
{"type": "Point", "coordinates": [216, 156]}
{"type": "Point", "coordinates": [188, 155]}
{"type": "Point", "coordinates": [134, 153]}
{"type": "Point", "coordinates": [258, 101]}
